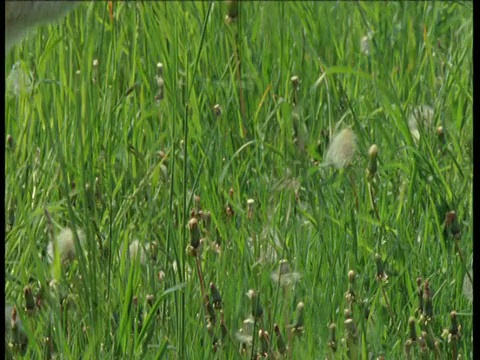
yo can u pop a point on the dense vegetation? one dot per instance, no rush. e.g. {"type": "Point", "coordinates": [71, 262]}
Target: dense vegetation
{"type": "Point", "coordinates": [220, 180]}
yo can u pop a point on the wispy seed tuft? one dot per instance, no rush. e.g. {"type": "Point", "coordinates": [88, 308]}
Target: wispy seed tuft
{"type": "Point", "coordinates": [342, 149]}
{"type": "Point", "coordinates": [64, 244]}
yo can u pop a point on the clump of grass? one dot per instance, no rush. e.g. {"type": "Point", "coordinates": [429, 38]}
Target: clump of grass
{"type": "Point", "coordinates": [120, 138]}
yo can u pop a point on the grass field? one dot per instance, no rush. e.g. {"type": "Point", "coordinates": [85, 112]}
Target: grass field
{"type": "Point", "coordinates": [176, 149]}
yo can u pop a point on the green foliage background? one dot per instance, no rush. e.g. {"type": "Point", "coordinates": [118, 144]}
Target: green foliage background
{"type": "Point", "coordinates": [88, 134]}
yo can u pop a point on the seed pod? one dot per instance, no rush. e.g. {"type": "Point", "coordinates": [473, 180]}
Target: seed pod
{"type": "Point", "coordinates": [281, 347]}
{"type": "Point", "coordinates": [295, 82]}
{"type": "Point", "coordinates": [223, 326]}
{"type": "Point", "coordinates": [451, 226]}
{"type": "Point", "coordinates": [372, 161]}
{"type": "Point", "coordinates": [380, 269]}
{"type": "Point", "coordinates": [10, 142]}
{"type": "Point", "coordinates": [194, 233]}
{"type": "Point", "coordinates": [351, 338]}
{"type": "Point", "coordinates": [264, 337]}
{"type": "Point", "coordinates": [160, 82]}
{"type": "Point", "coordinates": [453, 323]}
{"type": "Point", "coordinates": [419, 294]}
{"type": "Point", "coordinates": [210, 312]}
{"type": "Point", "coordinates": [347, 313]}
{"type": "Point", "coordinates": [29, 300]}
{"type": "Point", "coordinates": [298, 325]}
{"type": "Point", "coordinates": [441, 135]}
{"type": "Point", "coordinates": [332, 342]}
{"type": "Point", "coordinates": [412, 329]}
{"type": "Point", "coordinates": [350, 294]}
{"type": "Point", "coordinates": [232, 9]}
{"type": "Point", "coordinates": [408, 347]}
{"type": "Point", "coordinates": [342, 149]}
{"type": "Point", "coordinates": [250, 204]}
{"type": "Point", "coordinates": [427, 301]}
{"type": "Point", "coordinates": [19, 337]}
{"type": "Point", "coordinates": [257, 310]}
{"type": "Point", "coordinates": [429, 340]}
{"type": "Point", "coordinates": [217, 110]}
{"type": "Point", "coordinates": [216, 297]}
{"type": "Point", "coordinates": [210, 331]}
{"type": "Point", "coordinates": [153, 250]}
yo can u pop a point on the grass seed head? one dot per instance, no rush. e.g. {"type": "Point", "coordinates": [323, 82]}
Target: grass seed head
{"type": "Point", "coordinates": [217, 110]}
{"type": "Point", "coordinates": [153, 250]}
{"type": "Point", "coordinates": [420, 116]}
{"type": "Point", "coordinates": [257, 309]}
{"type": "Point", "coordinates": [232, 11]}
{"type": "Point", "coordinates": [441, 135]}
{"type": "Point", "coordinates": [332, 342]}
{"type": "Point", "coordinates": [408, 347]}
{"type": "Point", "coordinates": [211, 317]}
{"type": "Point", "coordinates": [427, 301]}
{"type": "Point", "coordinates": [412, 328]}
{"type": "Point", "coordinates": [381, 276]}
{"type": "Point", "coordinates": [372, 161]}
{"type": "Point", "coordinates": [29, 300]}
{"type": "Point", "coordinates": [64, 244]}
{"type": "Point", "coordinates": [419, 294]}
{"type": "Point", "coordinates": [342, 149]}
{"type": "Point", "coordinates": [229, 211]}
{"type": "Point", "coordinates": [451, 227]}
{"type": "Point", "coordinates": [264, 337]}
{"type": "Point", "coordinates": [18, 336]}
{"type": "Point", "coordinates": [136, 251]}
{"type": "Point", "coordinates": [194, 233]}
{"type": "Point", "coordinates": [295, 82]}
{"type": "Point", "coordinates": [216, 297]}
{"type": "Point", "coordinates": [347, 313]}
{"type": "Point", "coordinates": [281, 346]}
{"type": "Point", "coordinates": [245, 334]}
{"type": "Point", "coordinates": [350, 294]}
{"type": "Point", "coordinates": [429, 340]}
{"type": "Point", "coordinates": [350, 328]}
{"type": "Point", "coordinates": [19, 81]}
{"type": "Point", "coordinates": [160, 94]}
{"type": "Point", "coordinates": [351, 276]}
{"type": "Point", "coordinates": [467, 288]}
{"type": "Point", "coordinates": [10, 142]}
{"type": "Point", "coordinates": [210, 329]}
{"type": "Point", "coordinates": [223, 326]}
{"type": "Point", "coordinates": [198, 205]}
{"type": "Point", "coordinates": [298, 325]}
{"type": "Point", "coordinates": [160, 85]}
{"type": "Point", "coordinates": [454, 330]}
{"type": "Point", "coordinates": [159, 69]}
{"type": "Point", "coordinates": [365, 45]}
{"type": "Point", "coordinates": [250, 204]}
{"type": "Point", "coordinates": [284, 274]}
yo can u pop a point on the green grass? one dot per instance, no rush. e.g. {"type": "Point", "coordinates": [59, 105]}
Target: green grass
{"type": "Point", "coordinates": [86, 156]}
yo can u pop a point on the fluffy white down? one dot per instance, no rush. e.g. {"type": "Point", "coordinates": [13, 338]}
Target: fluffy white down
{"type": "Point", "coordinates": [342, 149]}
{"type": "Point", "coordinates": [136, 251]}
{"type": "Point", "coordinates": [65, 245]}
{"type": "Point", "coordinates": [422, 114]}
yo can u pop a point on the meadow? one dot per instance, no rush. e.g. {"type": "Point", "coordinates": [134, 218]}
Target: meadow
{"type": "Point", "coordinates": [223, 180]}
